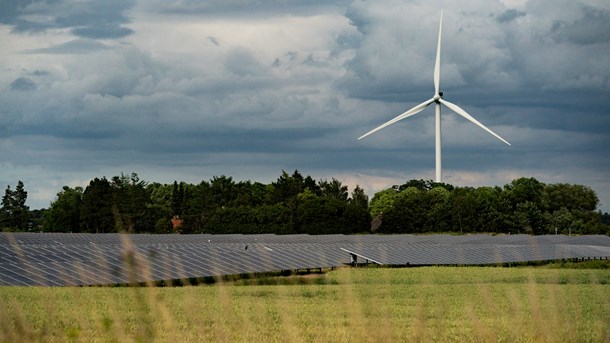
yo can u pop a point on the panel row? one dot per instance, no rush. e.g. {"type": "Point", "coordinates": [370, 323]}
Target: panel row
{"type": "Point", "coordinates": [60, 259]}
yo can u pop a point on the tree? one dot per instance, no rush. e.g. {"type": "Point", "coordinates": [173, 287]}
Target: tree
{"type": "Point", "coordinates": [463, 206]}
{"type": "Point", "coordinates": [325, 215]}
{"type": "Point", "coordinates": [6, 211]}
{"type": "Point", "coordinates": [489, 209]}
{"type": "Point", "coordinates": [286, 187]}
{"type": "Point", "coordinates": [129, 199]}
{"type": "Point", "coordinates": [359, 198]}
{"type": "Point", "coordinates": [422, 185]}
{"type": "Point", "coordinates": [20, 210]}
{"type": "Point", "coordinates": [248, 220]}
{"type": "Point", "coordinates": [529, 218]}
{"type": "Point", "coordinates": [222, 190]}
{"type": "Point", "coordinates": [14, 213]}
{"type": "Point", "coordinates": [438, 216]}
{"type": "Point", "coordinates": [383, 201]}
{"type": "Point", "coordinates": [425, 185]}
{"type": "Point", "coordinates": [285, 191]}
{"type": "Point", "coordinates": [36, 219]}
{"type": "Point", "coordinates": [523, 190]}
{"type": "Point", "coordinates": [178, 199]}
{"type": "Point", "coordinates": [357, 213]}
{"type": "Point", "coordinates": [159, 207]}
{"type": "Point", "coordinates": [247, 194]}
{"type": "Point", "coordinates": [571, 197]}
{"type": "Point", "coordinates": [259, 193]}
{"type": "Point", "coordinates": [64, 213]}
{"type": "Point", "coordinates": [333, 189]}
{"type": "Point", "coordinates": [199, 208]}
{"type": "Point", "coordinates": [356, 218]}
{"type": "Point", "coordinates": [96, 210]}
{"type": "Point", "coordinates": [407, 215]}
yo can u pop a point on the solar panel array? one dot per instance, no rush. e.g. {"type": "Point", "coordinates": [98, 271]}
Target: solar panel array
{"type": "Point", "coordinates": [63, 259]}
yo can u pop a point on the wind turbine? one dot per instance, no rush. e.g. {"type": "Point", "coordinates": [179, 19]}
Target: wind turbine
{"type": "Point", "coordinates": [437, 100]}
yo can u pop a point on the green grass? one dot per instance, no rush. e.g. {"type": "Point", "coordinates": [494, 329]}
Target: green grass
{"type": "Point", "coordinates": [346, 305]}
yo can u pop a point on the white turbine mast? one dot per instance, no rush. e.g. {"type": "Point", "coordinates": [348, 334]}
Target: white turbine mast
{"type": "Point", "coordinates": [437, 100]}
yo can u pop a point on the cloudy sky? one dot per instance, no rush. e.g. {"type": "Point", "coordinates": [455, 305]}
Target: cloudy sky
{"type": "Point", "coordinates": [186, 90]}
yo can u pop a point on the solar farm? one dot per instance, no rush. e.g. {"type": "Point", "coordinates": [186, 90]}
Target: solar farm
{"type": "Point", "coordinates": [64, 259]}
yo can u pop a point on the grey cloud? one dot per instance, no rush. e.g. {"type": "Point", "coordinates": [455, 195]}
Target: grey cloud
{"type": "Point", "coordinates": [479, 56]}
{"type": "Point", "coordinates": [11, 9]}
{"type": "Point", "coordinates": [242, 62]}
{"type": "Point", "coordinates": [510, 15]}
{"type": "Point", "coordinates": [393, 57]}
{"type": "Point", "coordinates": [250, 8]}
{"type": "Point", "coordinates": [78, 46]}
{"type": "Point", "coordinates": [94, 13]}
{"type": "Point", "coordinates": [23, 84]}
{"type": "Point", "coordinates": [40, 73]}
{"type": "Point", "coordinates": [89, 19]}
{"type": "Point", "coordinates": [592, 27]}
{"type": "Point", "coordinates": [557, 46]}
{"type": "Point", "coordinates": [102, 31]}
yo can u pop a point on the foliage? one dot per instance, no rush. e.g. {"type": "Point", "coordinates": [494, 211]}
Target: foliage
{"type": "Point", "coordinates": [330, 214]}
{"type": "Point", "coordinates": [248, 220]}
{"type": "Point", "coordinates": [160, 206]}
{"type": "Point", "coordinates": [383, 201]}
{"type": "Point", "coordinates": [525, 205]}
{"type": "Point", "coordinates": [292, 204]}
{"type": "Point", "coordinates": [14, 214]}
{"type": "Point", "coordinates": [439, 304]}
{"type": "Point", "coordinates": [129, 199]}
{"type": "Point", "coordinates": [298, 204]}
{"type": "Point", "coordinates": [333, 189]}
{"type": "Point", "coordinates": [359, 198]}
{"type": "Point", "coordinates": [97, 207]}
{"type": "Point", "coordinates": [65, 211]}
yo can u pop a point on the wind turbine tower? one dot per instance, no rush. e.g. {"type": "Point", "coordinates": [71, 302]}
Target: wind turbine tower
{"type": "Point", "coordinates": [437, 99]}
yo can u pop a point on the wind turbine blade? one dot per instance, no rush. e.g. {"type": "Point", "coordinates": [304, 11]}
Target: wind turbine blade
{"type": "Point", "coordinates": [455, 108]}
{"type": "Point", "coordinates": [409, 113]}
{"type": "Point", "coordinates": [437, 65]}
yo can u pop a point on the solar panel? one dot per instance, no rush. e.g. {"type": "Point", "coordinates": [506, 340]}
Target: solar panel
{"type": "Point", "coordinates": [64, 259]}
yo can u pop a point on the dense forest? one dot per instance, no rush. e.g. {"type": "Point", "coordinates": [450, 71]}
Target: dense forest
{"type": "Point", "coordinates": [299, 204]}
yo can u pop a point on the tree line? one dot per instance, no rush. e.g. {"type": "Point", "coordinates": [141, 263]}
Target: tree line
{"type": "Point", "coordinates": [525, 205]}
{"type": "Point", "coordinates": [292, 204]}
{"type": "Point", "coordinates": [299, 204]}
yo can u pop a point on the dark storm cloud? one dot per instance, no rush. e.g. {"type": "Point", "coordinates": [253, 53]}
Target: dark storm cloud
{"type": "Point", "coordinates": [591, 27]}
{"type": "Point", "coordinates": [10, 10]}
{"type": "Point", "coordinates": [88, 19]}
{"type": "Point", "coordinates": [209, 140]}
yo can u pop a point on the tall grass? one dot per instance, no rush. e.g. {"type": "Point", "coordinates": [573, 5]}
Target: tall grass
{"type": "Point", "coordinates": [346, 305]}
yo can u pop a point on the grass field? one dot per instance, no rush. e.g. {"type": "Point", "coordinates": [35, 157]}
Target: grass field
{"type": "Point", "coordinates": [347, 305]}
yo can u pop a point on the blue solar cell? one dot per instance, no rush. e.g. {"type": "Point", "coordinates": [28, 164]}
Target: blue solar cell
{"type": "Point", "coordinates": [80, 259]}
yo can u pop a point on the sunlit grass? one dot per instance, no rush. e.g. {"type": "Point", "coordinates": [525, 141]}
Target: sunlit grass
{"type": "Point", "coordinates": [346, 305]}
